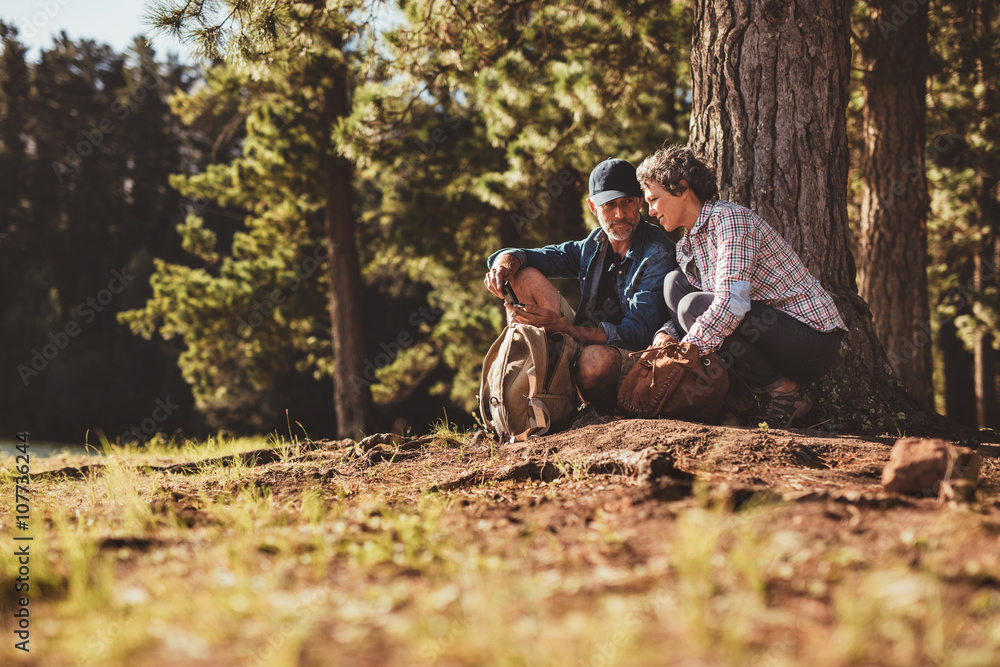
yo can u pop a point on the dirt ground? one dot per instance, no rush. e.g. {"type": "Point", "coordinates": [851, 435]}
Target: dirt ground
{"type": "Point", "coordinates": [647, 461]}
{"type": "Point", "coordinates": [640, 474]}
{"type": "Point", "coordinates": [800, 515]}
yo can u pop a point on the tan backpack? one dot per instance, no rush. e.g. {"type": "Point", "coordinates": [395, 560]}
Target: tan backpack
{"type": "Point", "coordinates": [526, 387]}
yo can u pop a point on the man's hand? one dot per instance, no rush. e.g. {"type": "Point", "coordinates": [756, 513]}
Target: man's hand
{"type": "Point", "coordinates": [552, 322]}
{"type": "Point", "coordinates": [662, 338]}
{"type": "Point", "coordinates": [539, 316]}
{"type": "Point", "coordinates": [502, 270]}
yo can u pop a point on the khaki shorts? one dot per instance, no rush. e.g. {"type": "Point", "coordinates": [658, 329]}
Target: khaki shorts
{"type": "Point", "coordinates": [568, 312]}
{"type": "Point", "coordinates": [628, 361]}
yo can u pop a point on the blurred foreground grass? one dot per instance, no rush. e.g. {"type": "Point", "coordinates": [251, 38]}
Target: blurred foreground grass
{"type": "Point", "coordinates": [303, 562]}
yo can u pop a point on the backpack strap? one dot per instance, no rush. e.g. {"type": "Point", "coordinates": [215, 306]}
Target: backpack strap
{"type": "Point", "coordinates": [538, 346]}
{"type": "Point", "coordinates": [486, 399]}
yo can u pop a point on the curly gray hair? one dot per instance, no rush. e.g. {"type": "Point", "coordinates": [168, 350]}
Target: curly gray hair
{"type": "Point", "coordinates": [670, 165]}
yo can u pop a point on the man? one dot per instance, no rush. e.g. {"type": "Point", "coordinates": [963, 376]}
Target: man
{"type": "Point", "coordinates": [620, 266]}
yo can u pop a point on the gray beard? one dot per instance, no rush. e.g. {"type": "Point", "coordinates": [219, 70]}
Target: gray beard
{"type": "Point", "coordinates": [619, 234]}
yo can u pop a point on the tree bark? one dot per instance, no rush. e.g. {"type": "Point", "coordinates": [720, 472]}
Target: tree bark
{"type": "Point", "coordinates": [352, 395]}
{"type": "Point", "coordinates": [988, 179]}
{"type": "Point", "coordinates": [768, 109]}
{"type": "Point", "coordinates": [565, 215]}
{"type": "Point", "coordinates": [957, 367]}
{"type": "Point", "coordinates": [510, 230]}
{"type": "Point", "coordinates": [892, 267]}
{"type": "Point", "coordinates": [985, 366]}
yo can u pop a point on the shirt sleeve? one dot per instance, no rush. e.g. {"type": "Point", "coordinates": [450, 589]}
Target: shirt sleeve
{"type": "Point", "coordinates": [561, 260]}
{"type": "Point", "coordinates": [669, 329]}
{"type": "Point", "coordinates": [736, 256]}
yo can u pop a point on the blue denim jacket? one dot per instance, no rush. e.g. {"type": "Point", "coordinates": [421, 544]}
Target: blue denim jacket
{"type": "Point", "coordinates": [650, 256]}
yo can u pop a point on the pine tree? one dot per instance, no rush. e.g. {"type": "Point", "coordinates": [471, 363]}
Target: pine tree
{"type": "Point", "coordinates": [779, 145]}
{"type": "Point", "coordinates": [458, 144]}
{"type": "Point", "coordinates": [964, 160]}
{"type": "Point", "coordinates": [14, 89]}
{"type": "Point", "coordinates": [892, 264]}
{"type": "Point", "coordinates": [558, 87]}
{"type": "Point", "coordinates": [86, 210]}
{"type": "Point", "coordinates": [509, 105]}
{"type": "Point", "coordinates": [303, 49]}
{"type": "Point", "coordinates": [249, 314]}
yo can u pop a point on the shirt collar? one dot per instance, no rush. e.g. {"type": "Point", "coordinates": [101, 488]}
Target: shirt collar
{"type": "Point", "coordinates": [636, 242]}
{"type": "Point", "coordinates": [632, 244]}
{"type": "Point", "coordinates": [706, 212]}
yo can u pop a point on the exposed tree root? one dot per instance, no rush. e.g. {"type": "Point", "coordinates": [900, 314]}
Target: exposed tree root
{"type": "Point", "coordinates": [645, 466]}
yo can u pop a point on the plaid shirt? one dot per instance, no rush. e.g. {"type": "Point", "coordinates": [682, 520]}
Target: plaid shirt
{"type": "Point", "coordinates": [732, 252]}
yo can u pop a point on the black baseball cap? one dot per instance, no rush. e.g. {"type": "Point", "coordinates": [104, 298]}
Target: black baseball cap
{"type": "Point", "coordinates": [612, 179]}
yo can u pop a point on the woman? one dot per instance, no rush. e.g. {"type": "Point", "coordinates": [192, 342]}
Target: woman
{"type": "Point", "coordinates": [740, 289]}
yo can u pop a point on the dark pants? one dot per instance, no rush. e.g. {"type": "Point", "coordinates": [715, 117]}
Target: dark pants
{"type": "Point", "coordinates": [766, 345]}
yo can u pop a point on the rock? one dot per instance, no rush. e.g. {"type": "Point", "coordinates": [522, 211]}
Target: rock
{"type": "Point", "coordinates": [652, 464]}
{"type": "Point", "coordinates": [958, 491]}
{"type": "Point", "coordinates": [917, 466]}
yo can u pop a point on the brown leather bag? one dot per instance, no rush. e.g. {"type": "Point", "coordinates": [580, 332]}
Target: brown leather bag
{"type": "Point", "coordinates": [673, 381]}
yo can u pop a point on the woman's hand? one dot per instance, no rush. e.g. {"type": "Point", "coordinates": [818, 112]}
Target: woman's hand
{"type": "Point", "coordinates": [662, 338]}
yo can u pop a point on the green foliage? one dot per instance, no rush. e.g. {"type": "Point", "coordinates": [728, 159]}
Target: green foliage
{"type": "Point", "coordinates": [961, 161]}
{"type": "Point", "coordinates": [253, 311]}
{"type": "Point", "coordinates": [964, 160]}
{"type": "Point", "coordinates": [462, 140]}
{"type": "Point", "coordinates": [547, 86]}
{"type": "Point", "coordinates": [473, 126]}
{"type": "Point", "coordinates": [480, 130]}
{"type": "Point", "coordinates": [86, 143]}
{"type": "Point", "coordinates": [963, 169]}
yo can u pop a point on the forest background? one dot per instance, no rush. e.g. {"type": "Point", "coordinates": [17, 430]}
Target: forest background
{"type": "Point", "coordinates": [169, 244]}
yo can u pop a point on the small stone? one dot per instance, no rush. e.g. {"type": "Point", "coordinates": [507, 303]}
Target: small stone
{"type": "Point", "coordinates": [958, 491]}
{"type": "Point", "coordinates": [917, 466]}
{"type": "Point", "coordinates": [653, 464]}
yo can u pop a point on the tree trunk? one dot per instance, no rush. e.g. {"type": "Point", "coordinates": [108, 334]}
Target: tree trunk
{"type": "Point", "coordinates": [565, 215]}
{"type": "Point", "coordinates": [768, 112]}
{"type": "Point", "coordinates": [985, 356]}
{"type": "Point", "coordinates": [510, 229]}
{"type": "Point", "coordinates": [959, 382]}
{"type": "Point", "coordinates": [988, 177]}
{"type": "Point", "coordinates": [892, 268]}
{"type": "Point", "coordinates": [352, 395]}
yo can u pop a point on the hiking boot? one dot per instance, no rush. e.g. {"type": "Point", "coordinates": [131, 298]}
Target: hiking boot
{"type": "Point", "coordinates": [783, 407]}
{"type": "Point", "coordinates": [741, 406]}
{"type": "Point", "coordinates": [741, 399]}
